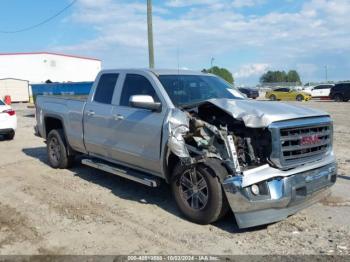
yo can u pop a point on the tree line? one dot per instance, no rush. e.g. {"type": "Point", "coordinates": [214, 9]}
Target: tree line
{"type": "Point", "coordinates": [280, 76]}
{"type": "Point", "coordinates": [292, 76]}
{"type": "Point", "coordinates": [222, 72]}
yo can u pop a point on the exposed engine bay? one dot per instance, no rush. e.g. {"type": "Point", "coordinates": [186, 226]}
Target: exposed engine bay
{"type": "Point", "coordinates": [212, 132]}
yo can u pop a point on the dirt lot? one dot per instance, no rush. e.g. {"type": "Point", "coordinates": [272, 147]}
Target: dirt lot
{"type": "Point", "coordinates": [84, 211]}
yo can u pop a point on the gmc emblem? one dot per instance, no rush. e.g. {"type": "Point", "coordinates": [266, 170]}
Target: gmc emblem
{"type": "Point", "coordinates": [309, 140]}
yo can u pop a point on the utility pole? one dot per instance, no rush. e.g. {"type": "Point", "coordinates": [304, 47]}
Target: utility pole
{"type": "Point", "coordinates": [150, 34]}
{"type": "Point", "coordinates": [326, 72]}
{"type": "Point", "coordinates": [212, 62]}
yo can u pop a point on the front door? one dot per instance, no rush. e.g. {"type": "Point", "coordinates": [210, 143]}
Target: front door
{"type": "Point", "coordinates": [138, 131]}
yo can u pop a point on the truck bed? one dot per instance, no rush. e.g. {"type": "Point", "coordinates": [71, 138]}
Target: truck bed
{"type": "Point", "coordinates": [69, 110]}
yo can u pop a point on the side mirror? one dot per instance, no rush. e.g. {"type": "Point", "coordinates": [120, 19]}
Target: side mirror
{"type": "Point", "coordinates": [145, 102]}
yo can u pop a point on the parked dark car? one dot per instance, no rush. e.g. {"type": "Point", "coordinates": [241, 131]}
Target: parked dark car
{"type": "Point", "coordinates": [249, 92]}
{"type": "Point", "coordinates": [340, 92]}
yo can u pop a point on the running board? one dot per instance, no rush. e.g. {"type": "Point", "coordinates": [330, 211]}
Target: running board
{"type": "Point", "coordinates": [127, 173]}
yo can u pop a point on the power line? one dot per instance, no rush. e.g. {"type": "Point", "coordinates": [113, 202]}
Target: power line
{"type": "Point", "coordinates": [41, 23]}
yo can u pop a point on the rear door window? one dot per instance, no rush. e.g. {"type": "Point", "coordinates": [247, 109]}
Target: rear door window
{"type": "Point", "coordinates": [105, 88]}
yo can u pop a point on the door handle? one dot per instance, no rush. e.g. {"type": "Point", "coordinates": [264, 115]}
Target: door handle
{"type": "Point", "coordinates": [90, 113]}
{"type": "Point", "coordinates": [118, 117]}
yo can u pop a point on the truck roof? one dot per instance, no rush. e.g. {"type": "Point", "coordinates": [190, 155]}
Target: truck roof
{"type": "Point", "coordinates": [159, 71]}
{"type": "Point", "coordinates": [175, 72]}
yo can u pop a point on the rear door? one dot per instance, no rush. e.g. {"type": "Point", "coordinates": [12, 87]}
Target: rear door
{"type": "Point", "coordinates": [98, 117]}
{"type": "Point", "coordinates": [138, 131]}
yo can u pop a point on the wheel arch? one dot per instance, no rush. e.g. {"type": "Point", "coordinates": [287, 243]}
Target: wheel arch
{"type": "Point", "coordinates": [275, 95]}
{"type": "Point", "coordinates": [52, 122]}
{"type": "Point", "coordinates": [337, 94]}
{"type": "Point", "coordinates": [215, 164]}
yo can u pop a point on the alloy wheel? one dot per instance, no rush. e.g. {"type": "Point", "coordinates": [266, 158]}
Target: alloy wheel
{"type": "Point", "coordinates": [54, 150]}
{"type": "Point", "coordinates": [194, 189]}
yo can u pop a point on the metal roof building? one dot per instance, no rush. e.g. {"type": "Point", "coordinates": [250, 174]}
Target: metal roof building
{"type": "Point", "coordinates": [42, 66]}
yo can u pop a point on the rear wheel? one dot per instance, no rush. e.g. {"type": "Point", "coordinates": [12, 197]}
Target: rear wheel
{"type": "Point", "coordinates": [198, 193]}
{"type": "Point", "coordinates": [338, 98]}
{"type": "Point", "coordinates": [273, 98]}
{"type": "Point", "coordinates": [300, 98]}
{"type": "Point", "coordinates": [57, 150]}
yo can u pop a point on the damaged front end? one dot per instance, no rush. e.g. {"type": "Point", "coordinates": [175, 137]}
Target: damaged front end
{"type": "Point", "coordinates": [258, 189]}
{"type": "Point", "coordinates": [205, 131]}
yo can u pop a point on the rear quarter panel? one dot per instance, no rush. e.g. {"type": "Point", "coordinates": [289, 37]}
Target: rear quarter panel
{"type": "Point", "coordinates": [69, 111]}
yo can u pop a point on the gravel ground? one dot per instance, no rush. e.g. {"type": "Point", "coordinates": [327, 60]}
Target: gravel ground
{"type": "Point", "coordinates": [85, 211]}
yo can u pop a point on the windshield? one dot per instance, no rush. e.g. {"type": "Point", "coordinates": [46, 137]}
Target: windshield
{"type": "Point", "coordinates": [190, 89]}
{"type": "Point", "coordinates": [1, 103]}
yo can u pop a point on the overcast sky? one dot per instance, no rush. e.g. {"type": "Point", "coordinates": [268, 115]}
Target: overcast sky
{"type": "Point", "coordinates": [246, 36]}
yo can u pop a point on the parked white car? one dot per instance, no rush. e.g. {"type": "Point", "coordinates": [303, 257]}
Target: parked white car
{"type": "Point", "coordinates": [8, 121]}
{"type": "Point", "coordinates": [319, 91]}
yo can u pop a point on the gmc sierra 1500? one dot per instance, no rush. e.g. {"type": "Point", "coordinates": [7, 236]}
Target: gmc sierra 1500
{"type": "Point", "coordinates": [264, 160]}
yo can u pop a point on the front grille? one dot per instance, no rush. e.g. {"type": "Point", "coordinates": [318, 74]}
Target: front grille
{"type": "Point", "coordinates": [302, 143]}
{"type": "Point", "coordinates": [297, 142]}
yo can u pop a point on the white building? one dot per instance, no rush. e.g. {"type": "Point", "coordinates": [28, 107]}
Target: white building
{"type": "Point", "coordinates": [43, 66]}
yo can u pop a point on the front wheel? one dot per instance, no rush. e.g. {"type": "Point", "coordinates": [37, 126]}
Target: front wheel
{"type": "Point", "coordinates": [198, 193]}
{"type": "Point", "coordinates": [57, 150]}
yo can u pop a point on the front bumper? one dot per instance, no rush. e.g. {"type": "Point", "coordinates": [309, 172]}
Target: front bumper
{"type": "Point", "coordinates": [280, 196]}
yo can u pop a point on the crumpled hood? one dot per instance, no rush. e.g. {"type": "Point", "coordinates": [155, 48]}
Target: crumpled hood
{"type": "Point", "coordinates": [258, 114]}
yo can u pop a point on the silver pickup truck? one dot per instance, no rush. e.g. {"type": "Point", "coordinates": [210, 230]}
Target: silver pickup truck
{"type": "Point", "coordinates": [217, 150]}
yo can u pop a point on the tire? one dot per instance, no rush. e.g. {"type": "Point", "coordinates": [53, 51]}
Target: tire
{"type": "Point", "coordinates": [273, 98]}
{"type": "Point", "coordinates": [57, 150]}
{"type": "Point", "coordinates": [346, 100]}
{"type": "Point", "coordinates": [211, 205]}
{"type": "Point", "coordinates": [10, 136]}
{"type": "Point", "coordinates": [300, 98]}
{"type": "Point", "coordinates": [338, 98]}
